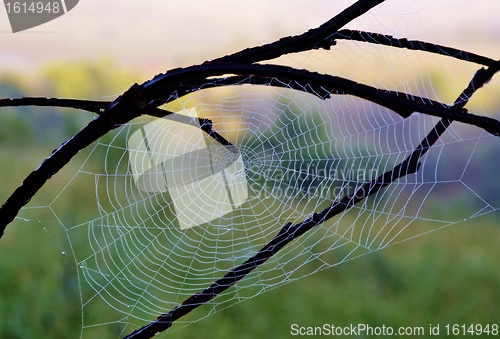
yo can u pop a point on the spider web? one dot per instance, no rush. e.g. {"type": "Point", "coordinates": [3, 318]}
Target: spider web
{"type": "Point", "coordinates": [175, 209]}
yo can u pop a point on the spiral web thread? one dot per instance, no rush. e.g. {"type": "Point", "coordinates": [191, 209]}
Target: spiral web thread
{"type": "Point", "coordinates": [291, 154]}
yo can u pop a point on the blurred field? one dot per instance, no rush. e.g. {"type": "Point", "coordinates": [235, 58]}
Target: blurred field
{"type": "Point", "coordinates": [447, 277]}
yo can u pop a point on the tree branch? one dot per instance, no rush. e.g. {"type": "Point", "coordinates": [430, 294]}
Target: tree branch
{"type": "Point", "coordinates": [312, 39]}
{"type": "Point", "coordinates": [86, 105]}
{"type": "Point", "coordinates": [196, 77]}
{"type": "Point", "coordinates": [414, 45]}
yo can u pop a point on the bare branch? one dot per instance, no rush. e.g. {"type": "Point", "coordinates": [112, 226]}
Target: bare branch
{"type": "Point", "coordinates": [415, 45]}
{"type": "Point", "coordinates": [87, 105]}
{"type": "Point", "coordinates": [312, 39]}
{"type": "Point", "coordinates": [404, 104]}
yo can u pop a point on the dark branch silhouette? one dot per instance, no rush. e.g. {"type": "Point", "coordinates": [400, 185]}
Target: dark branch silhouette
{"type": "Point", "coordinates": [414, 45]}
{"type": "Point", "coordinates": [402, 103]}
{"type": "Point", "coordinates": [312, 39]}
{"type": "Point", "coordinates": [86, 105]}
{"type": "Point", "coordinates": [241, 68]}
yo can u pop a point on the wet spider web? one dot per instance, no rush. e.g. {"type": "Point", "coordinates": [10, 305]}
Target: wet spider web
{"type": "Point", "coordinates": [176, 208]}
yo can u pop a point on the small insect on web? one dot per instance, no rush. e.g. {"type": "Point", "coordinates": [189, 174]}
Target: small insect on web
{"type": "Point", "coordinates": [231, 178]}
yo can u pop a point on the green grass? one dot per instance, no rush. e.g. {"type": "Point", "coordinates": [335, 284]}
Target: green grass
{"type": "Point", "coordinates": [447, 277]}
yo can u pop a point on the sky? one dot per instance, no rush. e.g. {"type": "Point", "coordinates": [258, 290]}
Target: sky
{"type": "Point", "coordinates": [155, 35]}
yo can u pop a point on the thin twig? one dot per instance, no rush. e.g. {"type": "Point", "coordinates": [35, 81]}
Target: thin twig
{"type": "Point", "coordinates": [87, 105]}
{"type": "Point", "coordinates": [96, 107]}
{"type": "Point", "coordinates": [414, 45]}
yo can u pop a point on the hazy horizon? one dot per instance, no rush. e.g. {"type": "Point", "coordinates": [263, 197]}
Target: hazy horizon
{"type": "Point", "coordinates": [156, 35]}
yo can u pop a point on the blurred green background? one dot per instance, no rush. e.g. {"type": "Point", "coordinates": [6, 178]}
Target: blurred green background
{"type": "Point", "coordinates": [447, 277]}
